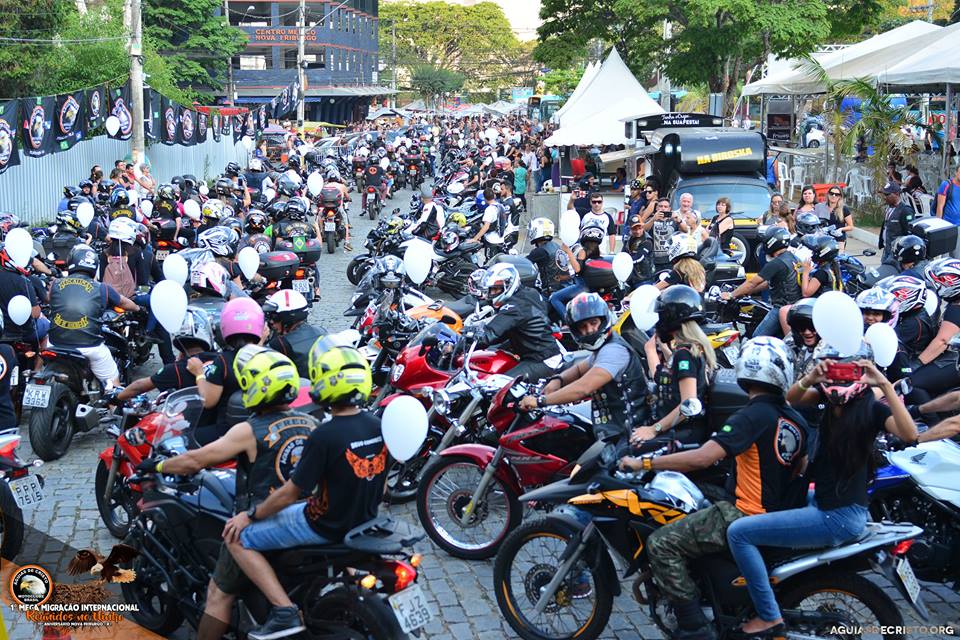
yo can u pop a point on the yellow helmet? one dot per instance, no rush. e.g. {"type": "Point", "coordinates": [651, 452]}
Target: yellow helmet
{"type": "Point", "coordinates": [340, 375]}
{"type": "Point", "coordinates": [242, 358]}
{"type": "Point", "coordinates": [395, 224]}
{"type": "Point", "coordinates": [268, 378]}
{"type": "Point", "coordinates": [458, 218]}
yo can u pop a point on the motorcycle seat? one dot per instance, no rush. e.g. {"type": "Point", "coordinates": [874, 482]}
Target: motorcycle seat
{"type": "Point", "coordinates": [376, 536]}
{"type": "Point", "coordinates": [774, 556]}
{"type": "Point", "coordinates": [463, 307]}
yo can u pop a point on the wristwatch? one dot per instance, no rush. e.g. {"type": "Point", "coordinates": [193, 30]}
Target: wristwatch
{"type": "Point", "coordinates": [252, 513]}
{"type": "Point", "coordinates": [657, 428]}
{"type": "Point", "coordinates": [541, 400]}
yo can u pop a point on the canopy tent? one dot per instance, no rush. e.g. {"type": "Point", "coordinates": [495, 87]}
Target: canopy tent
{"type": "Point", "coordinates": [865, 59]}
{"type": "Point", "coordinates": [585, 79]}
{"type": "Point", "coordinates": [385, 112]}
{"type": "Point", "coordinates": [503, 107]}
{"type": "Point", "coordinates": [934, 64]}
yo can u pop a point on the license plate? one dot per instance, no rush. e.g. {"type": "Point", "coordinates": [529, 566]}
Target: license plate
{"type": "Point", "coordinates": [732, 352]}
{"type": "Point", "coordinates": [301, 286]}
{"type": "Point", "coordinates": [36, 395]}
{"type": "Point", "coordinates": [905, 571]}
{"type": "Point", "coordinates": [413, 170]}
{"type": "Point", "coordinates": [329, 226]}
{"type": "Point", "coordinates": [410, 607]}
{"type": "Point", "coordinates": [27, 491]}
{"type": "Point", "coordinates": [162, 254]}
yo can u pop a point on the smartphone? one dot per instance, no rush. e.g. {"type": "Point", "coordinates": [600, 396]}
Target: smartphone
{"type": "Point", "coordinates": [844, 372]}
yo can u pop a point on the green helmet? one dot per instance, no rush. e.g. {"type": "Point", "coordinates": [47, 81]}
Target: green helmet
{"type": "Point", "coordinates": [340, 375]}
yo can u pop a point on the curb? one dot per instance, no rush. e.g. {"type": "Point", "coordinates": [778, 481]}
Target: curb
{"type": "Point", "coordinates": [865, 236]}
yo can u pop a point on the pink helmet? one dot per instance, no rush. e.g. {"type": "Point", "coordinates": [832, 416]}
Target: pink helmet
{"type": "Point", "coordinates": [241, 316]}
{"type": "Point", "coordinates": [209, 278]}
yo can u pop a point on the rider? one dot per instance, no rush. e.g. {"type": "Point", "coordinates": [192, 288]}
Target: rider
{"type": "Point", "coordinates": [825, 277]}
{"type": "Point", "coordinates": [14, 282]}
{"type": "Point", "coordinates": [286, 313]}
{"type": "Point", "coordinates": [638, 245]}
{"type": "Point", "coordinates": [915, 328]}
{"type": "Point", "coordinates": [343, 471]}
{"type": "Point", "coordinates": [266, 446]}
{"type": "Point", "coordinates": [769, 441]}
{"type": "Point", "coordinates": [493, 213]}
{"type": "Point", "coordinates": [77, 303]}
{"type": "Point", "coordinates": [550, 256]}
{"type": "Point", "coordinates": [612, 377]}
{"type": "Point", "coordinates": [587, 248]}
{"type": "Point", "coordinates": [910, 252]}
{"type": "Point", "coordinates": [374, 177]}
{"type": "Point", "coordinates": [879, 305]}
{"type": "Point", "coordinates": [686, 268]}
{"type": "Point", "coordinates": [431, 218]}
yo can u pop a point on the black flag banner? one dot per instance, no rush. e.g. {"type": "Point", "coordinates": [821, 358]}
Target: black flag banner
{"type": "Point", "coordinates": [188, 127]}
{"type": "Point", "coordinates": [238, 127]}
{"type": "Point", "coordinates": [169, 121]}
{"type": "Point", "coordinates": [37, 126]}
{"type": "Point", "coordinates": [151, 115]}
{"type": "Point", "coordinates": [95, 101]}
{"type": "Point", "coordinates": [261, 118]}
{"type": "Point", "coordinates": [215, 124]}
{"type": "Point", "coordinates": [70, 121]}
{"type": "Point", "coordinates": [8, 135]}
{"type": "Point", "coordinates": [250, 124]}
{"type": "Point", "coordinates": [120, 107]}
{"type": "Point", "coordinates": [225, 122]}
{"type": "Point", "coordinates": [203, 121]}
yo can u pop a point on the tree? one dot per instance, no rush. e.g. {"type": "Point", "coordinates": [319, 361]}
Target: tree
{"type": "Point", "coordinates": [561, 81]}
{"type": "Point", "coordinates": [432, 82]}
{"type": "Point", "coordinates": [196, 44]}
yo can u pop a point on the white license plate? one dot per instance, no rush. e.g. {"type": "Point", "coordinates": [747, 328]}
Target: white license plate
{"type": "Point", "coordinates": [162, 254]}
{"type": "Point", "coordinates": [302, 286]}
{"type": "Point", "coordinates": [27, 491]}
{"type": "Point", "coordinates": [36, 395]}
{"type": "Point", "coordinates": [410, 607]}
{"type": "Point", "coordinates": [905, 571]}
{"type": "Point", "coordinates": [732, 352]}
{"type": "Point", "coordinates": [329, 226]}
{"type": "Point", "coordinates": [413, 170]}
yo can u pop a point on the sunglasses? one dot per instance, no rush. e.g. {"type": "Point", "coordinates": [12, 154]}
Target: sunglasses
{"type": "Point", "coordinates": [648, 191]}
{"type": "Point", "coordinates": [834, 193]}
{"type": "Point", "coordinates": [596, 202]}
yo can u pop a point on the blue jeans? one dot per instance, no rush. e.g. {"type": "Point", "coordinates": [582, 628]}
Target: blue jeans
{"type": "Point", "coordinates": [770, 325]}
{"type": "Point", "coordinates": [806, 528]}
{"type": "Point", "coordinates": [289, 528]}
{"type": "Point", "coordinates": [560, 298]}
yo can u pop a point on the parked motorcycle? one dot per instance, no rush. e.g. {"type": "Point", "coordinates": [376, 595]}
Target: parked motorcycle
{"type": "Point", "coordinates": [18, 490]}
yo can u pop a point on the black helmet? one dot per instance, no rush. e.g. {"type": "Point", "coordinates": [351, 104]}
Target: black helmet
{"type": "Point", "coordinates": [86, 184]}
{"type": "Point", "coordinates": [119, 198]}
{"type": "Point", "coordinates": [76, 201]}
{"type": "Point", "coordinates": [106, 188]}
{"type": "Point", "coordinates": [775, 239]}
{"type": "Point", "coordinates": [169, 192]}
{"type": "Point", "coordinates": [909, 249]}
{"type": "Point", "coordinates": [178, 182]}
{"type": "Point", "coordinates": [70, 191]}
{"type": "Point", "coordinates": [800, 315]}
{"type": "Point", "coordinates": [808, 222]}
{"type": "Point", "coordinates": [678, 304]}
{"type": "Point", "coordinates": [190, 182]}
{"type": "Point", "coordinates": [824, 249]}
{"type": "Point", "coordinates": [232, 169]}
{"type": "Point", "coordinates": [275, 209]}
{"type": "Point", "coordinates": [312, 157]}
{"type": "Point", "coordinates": [234, 223]}
{"type": "Point", "coordinates": [83, 259]}
{"type": "Point", "coordinates": [295, 210]}
{"type": "Point", "coordinates": [286, 186]}
{"type": "Point", "coordinates": [583, 307]}
{"type": "Point", "coordinates": [256, 222]}
{"type": "Point", "coordinates": [223, 186]}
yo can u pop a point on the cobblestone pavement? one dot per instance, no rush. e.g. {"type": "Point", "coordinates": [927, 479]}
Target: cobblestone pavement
{"type": "Point", "coordinates": [460, 591]}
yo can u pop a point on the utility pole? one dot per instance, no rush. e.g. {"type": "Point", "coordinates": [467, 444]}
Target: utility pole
{"type": "Point", "coordinates": [230, 89]}
{"type": "Point", "coordinates": [301, 74]}
{"type": "Point", "coordinates": [136, 81]}
{"type": "Point", "coordinates": [393, 62]}
{"type": "Point", "coordinates": [665, 89]}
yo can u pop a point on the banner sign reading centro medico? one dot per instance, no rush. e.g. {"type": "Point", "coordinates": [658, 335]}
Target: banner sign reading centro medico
{"type": "Point", "coordinates": [70, 122]}
{"type": "Point", "coordinates": [37, 125]}
{"type": "Point", "coordinates": [96, 107]}
{"type": "Point", "coordinates": [169, 121]}
{"type": "Point", "coordinates": [188, 127]}
{"type": "Point", "coordinates": [8, 135]}
{"type": "Point", "coordinates": [121, 108]}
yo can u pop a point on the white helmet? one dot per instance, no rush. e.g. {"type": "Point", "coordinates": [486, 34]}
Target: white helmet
{"type": "Point", "coordinates": [123, 229]}
{"type": "Point", "coordinates": [286, 306]}
{"type": "Point", "coordinates": [506, 277]}
{"type": "Point", "coordinates": [540, 229]}
{"type": "Point", "coordinates": [682, 245]}
{"type": "Point", "coordinates": [765, 360]}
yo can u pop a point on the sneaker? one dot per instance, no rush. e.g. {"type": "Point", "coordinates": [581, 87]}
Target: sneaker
{"type": "Point", "coordinates": [282, 622]}
{"type": "Point", "coordinates": [347, 247]}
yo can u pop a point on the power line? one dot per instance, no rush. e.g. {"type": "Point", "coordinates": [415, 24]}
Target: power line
{"type": "Point", "coordinates": [60, 41]}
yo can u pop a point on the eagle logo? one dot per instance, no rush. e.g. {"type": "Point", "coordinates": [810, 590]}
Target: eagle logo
{"type": "Point", "coordinates": [105, 569]}
{"type": "Point", "coordinates": [365, 468]}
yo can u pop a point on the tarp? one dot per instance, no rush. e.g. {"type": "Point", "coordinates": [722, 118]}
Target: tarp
{"type": "Point", "coordinates": [602, 127]}
{"type": "Point", "coordinates": [934, 64]}
{"type": "Point", "coordinates": [585, 79]}
{"type": "Point", "coordinates": [862, 60]}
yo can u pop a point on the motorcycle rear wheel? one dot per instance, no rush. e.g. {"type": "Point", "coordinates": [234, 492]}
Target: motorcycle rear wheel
{"type": "Point", "coordinates": [157, 610]}
{"type": "Point", "coordinates": [372, 210]}
{"type": "Point", "coordinates": [11, 523]}
{"type": "Point", "coordinates": [51, 428]}
{"type": "Point", "coordinates": [362, 611]}
{"type": "Point", "coordinates": [331, 241]}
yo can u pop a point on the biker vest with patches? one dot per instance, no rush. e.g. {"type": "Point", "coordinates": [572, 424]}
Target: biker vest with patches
{"type": "Point", "coordinates": [621, 405]}
{"type": "Point", "coordinates": [280, 438]}
{"type": "Point", "coordinates": [76, 305]}
{"type": "Point", "coordinates": [296, 345]}
{"type": "Point", "coordinates": [550, 269]}
{"type": "Point", "coordinates": [287, 229]}
{"type": "Point", "coordinates": [431, 226]}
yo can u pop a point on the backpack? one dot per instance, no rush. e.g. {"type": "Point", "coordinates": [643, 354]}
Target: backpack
{"type": "Point", "coordinates": [119, 276]}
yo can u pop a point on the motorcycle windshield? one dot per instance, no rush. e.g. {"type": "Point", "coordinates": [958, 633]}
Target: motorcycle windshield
{"type": "Point", "coordinates": [181, 411]}
{"type": "Point", "coordinates": [433, 334]}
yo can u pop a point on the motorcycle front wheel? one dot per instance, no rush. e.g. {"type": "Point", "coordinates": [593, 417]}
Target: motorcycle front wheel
{"type": "Point", "coordinates": [357, 268]}
{"type": "Point", "coordinates": [51, 428]}
{"type": "Point", "coordinates": [446, 487]}
{"type": "Point", "coordinates": [115, 512]}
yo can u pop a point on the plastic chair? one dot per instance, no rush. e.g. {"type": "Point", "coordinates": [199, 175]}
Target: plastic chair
{"type": "Point", "coordinates": [784, 176]}
{"type": "Point", "coordinates": [924, 203]}
{"type": "Point", "coordinates": [798, 176]}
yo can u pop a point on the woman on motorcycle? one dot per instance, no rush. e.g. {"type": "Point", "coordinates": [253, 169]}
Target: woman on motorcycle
{"type": "Point", "coordinates": [841, 469]}
{"type": "Point", "coordinates": [686, 269]}
{"type": "Point", "coordinates": [687, 363]}
{"type": "Point", "coordinates": [587, 248]}
{"type": "Point", "coordinates": [721, 227]}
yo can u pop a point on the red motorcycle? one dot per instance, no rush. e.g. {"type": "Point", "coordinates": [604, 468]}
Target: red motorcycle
{"type": "Point", "coordinates": [468, 496]}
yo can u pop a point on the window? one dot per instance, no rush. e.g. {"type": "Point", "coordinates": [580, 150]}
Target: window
{"type": "Point", "coordinates": [290, 59]}
{"type": "Point", "coordinates": [256, 63]}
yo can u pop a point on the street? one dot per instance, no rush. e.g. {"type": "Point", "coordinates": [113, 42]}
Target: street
{"type": "Point", "coordinates": [461, 592]}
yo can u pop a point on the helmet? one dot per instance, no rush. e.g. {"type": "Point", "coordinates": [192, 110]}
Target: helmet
{"type": "Point", "coordinates": [233, 222]}
{"type": "Point", "coordinates": [332, 175]}
{"type": "Point", "coordinates": [189, 182]}
{"type": "Point", "coordinates": [877, 299]}
{"type": "Point", "coordinates": [241, 316]}
{"type": "Point", "coordinates": [232, 169]}
{"type": "Point", "coordinates": [105, 189]}
{"type": "Point", "coordinates": [86, 184]}
{"type": "Point", "coordinates": [909, 249]}
{"type": "Point", "coordinates": [583, 307]}
{"type": "Point", "coordinates": [540, 229]}
{"type": "Point", "coordinates": [83, 259]}
{"type": "Point", "coordinates": [70, 191]}
{"type": "Point", "coordinates": [775, 239]}
{"type": "Point", "coordinates": [76, 201]}
{"type": "Point", "coordinates": [506, 277]}
{"type": "Point", "coordinates": [824, 249]}
{"type": "Point", "coordinates": [209, 278]}
{"type": "Point", "coordinates": [340, 375]}
{"type": "Point", "coordinates": [286, 186]}
{"type": "Point", "coordinates": [636, 184]}
{"type": "Point", "coordinates": [390, 271]}
{"type": "Point", "coordinates": [457, 218]}
{"type": "Point", "coordinates": [682, 245]}
{"type": "Point", "coordinates": [69, 219]}
{"type": "Point", "coordinates": [212, 210]}
{"type": "Point", "coordinates": [591, 233]}
{"type": "Point", "coordinates": [909, 291]}
{"type": "Point", "coordinates": [449, 240]}
{"type": "Point", "coordinates": [800, 315]}
{"type": "Point", "coordinates": [286, 307]}
{"type": "Point", "coordinates": [195, 331]}
{"type": "Point", "coordinates": [765, 361]}
{"type": "Point", "coordinates": [8, 221]}
{"type": "Point", "coordinates": [268, 378]}
{"type": "Point", "coordinates": [256, 222]}
{"type": "Point", "coordinates": [223, 186]}
{"type": "Point", "coordinates": [807, 223]}
{"type": "Point", "coordinates": [123, 229]}
{"type": "Point", "coordinates": [944, 275]}
{"type": "Point", "coordinates": [395, 225]}
{"type": "Point", "coordinates": [119, 198]}
{"type": "Point", "coordinates": [841, 392]}
{"type": "Point", "coordinates": [222, 241]}
{"type": "Point", "coordinates": [676, 305]}
{"type": "Point", "coordinates": [295, 210]}
{"type": "Point", "coordinates": [168, 191]}
{"type": "Point", "coordinates": [475, 283]}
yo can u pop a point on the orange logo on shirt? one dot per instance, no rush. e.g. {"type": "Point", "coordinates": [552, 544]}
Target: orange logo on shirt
{"type": "Point", "coordinates": [367, 469]}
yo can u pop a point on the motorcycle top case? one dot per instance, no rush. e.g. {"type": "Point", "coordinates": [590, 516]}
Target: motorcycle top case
{"type": "Point", "coordinates": [308, 251]}
{"type": "Point", "coordinates": [598, 274]}
{"type": "Point", "coordinates": [527, 270]}
{"type": "Point", "coordinates": [940, 235]}
{"type": "Point", "coordinates": [330, 196]}
{"type": "Point", "coordinates": [278, 265]}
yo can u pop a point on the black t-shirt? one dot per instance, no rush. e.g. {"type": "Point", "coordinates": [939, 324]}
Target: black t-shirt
{"type": "Point", "coordinates": [686, 365]}
{"type": "Point", "coordinates": [12, 285]}
{"type": "Point", "coordinates": [824, 277]}
{"type": "Point", "coordinates": [915, 331]}
{"type": "Point", "coordinates": [781, 273]}
{"type": "Point", "coordinates": [176, 376]}
{"type": "Point", "coordinates": [769, 440]}
{"type": "Point", "coordinates": [220, 372]}
{"type": "Point", "coordinates": [833, 488]}
{"type": "Point", "coordinates": [8, 375]}
{"type": "Point", "coordinates": [373, 175]}
{"type": "Point", "coordinates": [344, 469]}
{"type": "Point", "coordinates": [952, 313]}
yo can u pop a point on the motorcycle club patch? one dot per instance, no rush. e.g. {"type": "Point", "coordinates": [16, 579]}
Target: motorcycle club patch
{"type": "Point", "coordinates": [789, 441]}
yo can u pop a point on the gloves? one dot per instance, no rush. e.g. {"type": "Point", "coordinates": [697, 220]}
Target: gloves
{"type": "Point", "coordinates": [148, 465]}
{"type": "Point", "coordinates": [914, 411]}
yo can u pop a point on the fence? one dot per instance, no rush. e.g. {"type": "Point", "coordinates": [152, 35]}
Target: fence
{"type": "Point", "coordinates": [33, 189]}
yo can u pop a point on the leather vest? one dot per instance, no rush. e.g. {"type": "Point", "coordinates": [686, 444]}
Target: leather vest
{"type": "Point", "coordinates": [549, 269]}
{"type": "Point", "coordinates": [621, 405]}
{"type": "Point", "coordinates": [288, 229]}
{"type": "Point", "coordinates": [431, 226]}
{"type": "Point", "coordinates": [122, 212]}
{"type": "Point", "coordinates": [76, 305]}
{"type": "Point", "coordinates": [298, 343]}
{"type": "Point", "coordinates": [280, 438]}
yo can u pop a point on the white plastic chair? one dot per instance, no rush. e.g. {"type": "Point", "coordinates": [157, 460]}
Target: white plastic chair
{"type": "Point", "coordinates": [784, 176]}
{"type": "Point", "coordinates": [798, 176]}
{"type": "Point", "coordinates": [924, 202]}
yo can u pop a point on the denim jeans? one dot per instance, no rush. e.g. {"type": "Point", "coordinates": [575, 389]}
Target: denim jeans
{"type": "Point", "coordinates": [561, 297]}
{"type": "Point", "coordinates": [283, 530]}
{"type": "Point", "coordinates": [770, 325]}
{"type": "Point", "coordinates": [806, 528]}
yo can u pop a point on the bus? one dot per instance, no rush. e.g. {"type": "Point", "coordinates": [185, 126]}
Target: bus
{"type": "Point", "coordinates": [541, 108]}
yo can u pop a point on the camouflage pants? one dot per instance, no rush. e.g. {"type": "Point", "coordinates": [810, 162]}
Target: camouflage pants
{"type": "Point", "coordinates": [672, 547]}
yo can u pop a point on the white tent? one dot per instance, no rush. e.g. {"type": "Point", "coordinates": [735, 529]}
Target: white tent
{"type": "Point", "coordinates": [588, 73]}
{"type": "Point", "coordinates": [934, 64]}
{"type": "Point", "coordinates": [862, 60]}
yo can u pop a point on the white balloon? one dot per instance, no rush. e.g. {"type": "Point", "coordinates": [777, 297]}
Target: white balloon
{"type": "Point", "coordinates": [192, 209]}
{"type": "Point", "coordinates": [113, 125]}
{"type": "Point", "coordinates": [249, 261]}
{"type": "Point", "coordinates": [146, 207]}
{"type": "Point", "coordinates": [404, 427]}
{"type": "Point", "coordinates": [204, 189]}
{"type": "Point", "coordinates": [641, 307]}
{"type": "Point", "coordinates": [622, 266]}
{"type": "Point", "coordinates": [247, 143]}
{"type": "Point", "coordinates": [418, 258]}
{"type": "Point", "coordinates": [883, 339]}
{"type": "Point", "coordinates": [19, 246]}
{"type": "Point", "coordinates": [168, 301]}
{"type": "Point", "coordinates": [384, 163]}
{"type": "Point", "coordinates": [270, 194]}
{"type": "Point", "coordinates": [19, 310]}
{"type": "Point", "coordinates": [931, 303]}
{"type": "Point", "coordinates": [293, 175]}
{"type": "Point", "coordinates": [491, 134]}
{"type": "Point", "coordinates": [175, 268]}
{"type": "Point", "coordinates": [838, 320]}
{"type": "Point", "coordinates": [314, 183]}
{"type": "Point", "coordinates": [569, 227]}
{"type": "Point", "coordinates": [85, 213]}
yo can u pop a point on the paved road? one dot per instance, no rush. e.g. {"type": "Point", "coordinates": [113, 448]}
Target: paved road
{"type": "Point", "coordinates": [461, 592]}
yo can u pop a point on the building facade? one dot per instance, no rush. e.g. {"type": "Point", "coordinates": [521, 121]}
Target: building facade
{"type": "Point", "coordinates": [341, 55]}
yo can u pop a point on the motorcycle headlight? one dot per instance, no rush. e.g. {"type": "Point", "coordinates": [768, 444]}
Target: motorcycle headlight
{"type": "Point", "coordinates": [396, 372]}
{"type": "Point", "coordinates": [441, 402]}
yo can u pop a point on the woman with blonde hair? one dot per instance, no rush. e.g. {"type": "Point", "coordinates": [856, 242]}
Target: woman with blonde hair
{"type": "Point", "coordinates": [834, 212]}
{"type": "Point", "coordinates": [686, 269]}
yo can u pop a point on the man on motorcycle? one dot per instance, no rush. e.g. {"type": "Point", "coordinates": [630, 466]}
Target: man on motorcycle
{"type": "Point", "coordinates": [613, 377]}
{"type": "Point", "coordinates": [374, 176]}
{"type": "Point", "coordinates": [343, 471]}
{"type": "Point", "coordinates": [493, 213]}
{"type": "Point", "coordinates": [334, 178]}
{"type": "Point", "coordinates": [769, 441]}
{"type": "Point", "coordinates": [265, 446]}
{"type": "Point", "coordinates": [14, 282]}
{"type": "Point", "coordinates": [910, 253]}
{"type": "Point", "coordinates": [286, 313]}
{"type": "Point", "coordinates": [431, 218]}
{"type": "Point", "coordinates": [77, 303]}
{"type": "Point", "coordinates": [550, 256]}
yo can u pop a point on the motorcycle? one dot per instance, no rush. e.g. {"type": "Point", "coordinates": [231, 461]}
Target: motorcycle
{"type": "Point", "coordinates": [18, 490]}
{"type": "Point", "coordinates": [374, 206]}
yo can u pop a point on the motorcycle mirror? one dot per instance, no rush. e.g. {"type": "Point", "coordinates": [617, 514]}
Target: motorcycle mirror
{"type": "Point", "coordinates": [691, 407]}
{"type": "Point", "coordinates": [869, 252]}
{"type": "Point", "coordinates": [135, 436]}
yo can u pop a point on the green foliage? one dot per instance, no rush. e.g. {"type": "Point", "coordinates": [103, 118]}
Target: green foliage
{"type": "Point", "coordinates": [432, 82]}
{"type": "Point", "coordinates": [23, 67]}
{"type": "Point", "coordinates": [562, 82]}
